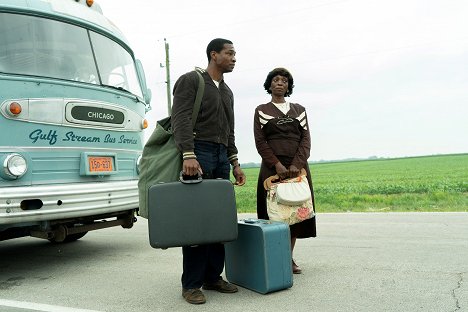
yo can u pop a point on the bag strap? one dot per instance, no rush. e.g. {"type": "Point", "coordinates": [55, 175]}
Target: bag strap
{"type": "Point", "coordinates": [198, 98]}
{"type": "Point", "coordinates": [274, 179]}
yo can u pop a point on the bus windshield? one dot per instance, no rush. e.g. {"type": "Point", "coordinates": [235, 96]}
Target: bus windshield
{"type": "Point", "coordinates": [37, 46]}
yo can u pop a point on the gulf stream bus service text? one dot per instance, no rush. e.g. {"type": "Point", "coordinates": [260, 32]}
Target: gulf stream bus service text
{"type": "Point", "coordinates": [52, 137]}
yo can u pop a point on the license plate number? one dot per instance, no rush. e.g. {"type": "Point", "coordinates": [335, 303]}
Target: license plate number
{"type": "Point", "coordinates": [100, 164]}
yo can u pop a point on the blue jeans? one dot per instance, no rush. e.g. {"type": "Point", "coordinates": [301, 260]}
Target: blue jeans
{"type": "Point", "coordinates": [213, 159]}
{"type": "Point", "coordinates": [205, 263]}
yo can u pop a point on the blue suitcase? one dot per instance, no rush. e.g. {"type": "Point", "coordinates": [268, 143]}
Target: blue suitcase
{"type": "Point", "coordinates": [260, 258]}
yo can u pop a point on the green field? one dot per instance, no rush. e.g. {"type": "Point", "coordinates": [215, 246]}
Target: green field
{"type": "Point", "coordinates": [430, 183]}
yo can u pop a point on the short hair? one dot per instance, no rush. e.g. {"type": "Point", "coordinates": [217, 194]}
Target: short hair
{"type": "Point", "coordinates": [281, 72]}
{"type": "Point", "coordinates": [216, 45]}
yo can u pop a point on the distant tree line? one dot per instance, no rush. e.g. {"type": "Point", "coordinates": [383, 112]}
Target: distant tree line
{"type": "Point", "coordinates": [257, 165]}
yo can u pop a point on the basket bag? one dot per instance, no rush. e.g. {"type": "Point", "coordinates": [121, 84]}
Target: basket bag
{"type": "Point", "coordinates": [290, 200]}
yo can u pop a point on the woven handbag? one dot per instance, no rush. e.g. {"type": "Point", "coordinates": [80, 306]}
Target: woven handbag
{"type": "Point", "coordinates": [290, 200]}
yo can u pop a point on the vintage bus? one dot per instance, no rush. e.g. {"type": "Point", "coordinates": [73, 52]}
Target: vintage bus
{"type": "Point", "coordinates": [73, 100]}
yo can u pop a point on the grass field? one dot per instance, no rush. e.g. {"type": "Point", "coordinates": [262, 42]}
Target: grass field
{"type": "Point", "coordinates": [430, 183]}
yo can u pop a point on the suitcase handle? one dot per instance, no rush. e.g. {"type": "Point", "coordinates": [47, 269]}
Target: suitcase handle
{"type": "Point", "coordinates": [250, 221]}
{"type": "Point", "coordinates": [193, 179]}
{"type": "Point", "coordinates": [254, 221]}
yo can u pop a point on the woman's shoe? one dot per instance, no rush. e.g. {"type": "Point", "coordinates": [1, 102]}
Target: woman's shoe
{"type": "Point", "coordinates": [295, 268]}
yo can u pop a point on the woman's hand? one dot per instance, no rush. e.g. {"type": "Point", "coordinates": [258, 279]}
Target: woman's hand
{"type": "Point", "coordinates": [293, 171]}
{"type": "Point", "coordinates": [281, 171]}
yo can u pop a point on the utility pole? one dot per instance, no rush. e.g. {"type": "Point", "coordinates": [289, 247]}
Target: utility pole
{"type": "Point", "coordinates": [168, 79]}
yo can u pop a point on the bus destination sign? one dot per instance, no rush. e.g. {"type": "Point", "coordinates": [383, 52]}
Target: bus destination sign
{"type": "Point", "coordinates": [97, 114]}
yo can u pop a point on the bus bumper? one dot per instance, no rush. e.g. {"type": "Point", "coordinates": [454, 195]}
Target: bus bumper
{"type": "Point", "coordinates": [64, 201]}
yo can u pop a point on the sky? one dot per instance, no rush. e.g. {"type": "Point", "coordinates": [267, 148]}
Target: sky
{"type": "Point", "coordinates": [385, 78]}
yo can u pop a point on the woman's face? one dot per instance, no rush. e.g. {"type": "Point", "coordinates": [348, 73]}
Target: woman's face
{"type": "Point", "coordinates": [279, 85]}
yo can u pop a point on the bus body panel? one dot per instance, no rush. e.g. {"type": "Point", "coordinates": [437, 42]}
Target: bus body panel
{"type": "Point", "coordinates": [72, 106]}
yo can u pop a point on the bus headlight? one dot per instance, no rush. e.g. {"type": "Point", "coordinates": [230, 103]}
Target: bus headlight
{"type": "Point", "coordinates": [14, 166]}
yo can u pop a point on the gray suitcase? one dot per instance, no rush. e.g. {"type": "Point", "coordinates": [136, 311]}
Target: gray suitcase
{"type": "Point", "coordinates": [192, 212]}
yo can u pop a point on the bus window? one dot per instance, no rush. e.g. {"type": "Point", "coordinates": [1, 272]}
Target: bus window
{"type": "Point", "coordinates": [117, 69]}
{"type": "Point", "coordinates": [40, 47]}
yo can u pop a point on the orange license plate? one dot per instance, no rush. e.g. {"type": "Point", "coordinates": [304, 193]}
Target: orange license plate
{"type": "Point", "coordinates": [101, 164]}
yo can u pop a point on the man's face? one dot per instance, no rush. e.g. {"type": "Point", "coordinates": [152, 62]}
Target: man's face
{"type": "Point", "coordinates": [226, 58]}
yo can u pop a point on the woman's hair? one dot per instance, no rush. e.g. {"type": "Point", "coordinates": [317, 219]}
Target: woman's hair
{"type": "Point", "coordinates": [216, 45]}
{"type": "Point", "coordinates": [281, 72]}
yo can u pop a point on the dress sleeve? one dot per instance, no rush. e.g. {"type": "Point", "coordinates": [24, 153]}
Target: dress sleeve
{"type": "Point", "coordinates": [265, 151]}
{"type": "Point", "coordinates": [303, 151]}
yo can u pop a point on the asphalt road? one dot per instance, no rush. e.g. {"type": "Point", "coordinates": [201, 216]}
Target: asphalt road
{"type": "Point", "coordinates": [359, 262]}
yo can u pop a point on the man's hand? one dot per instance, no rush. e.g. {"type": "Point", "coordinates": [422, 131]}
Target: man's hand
{"type": "Point", "coordinates": [191, 167]}
{"type": "Point", "coordinates": [239, 175]}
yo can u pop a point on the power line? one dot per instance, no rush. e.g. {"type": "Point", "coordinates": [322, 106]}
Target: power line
{"type": "Point", "coordinates": [378, 51]}
{"type": "Point", "coordinates": [262, 18]}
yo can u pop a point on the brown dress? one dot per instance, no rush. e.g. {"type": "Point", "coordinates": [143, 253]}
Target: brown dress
{"type": "Point", "coordinates": [285, 138]}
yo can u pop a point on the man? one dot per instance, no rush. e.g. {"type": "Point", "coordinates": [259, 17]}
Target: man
{"type": "Point", "coordinates": [208, 149]}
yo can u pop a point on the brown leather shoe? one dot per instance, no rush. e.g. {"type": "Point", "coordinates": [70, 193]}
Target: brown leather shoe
{"type": "Point", "coordinates": [295, 268]}
{"type": "Point", "coordinates": [193, 296]}
{"type": "Point", "coordinates": [221, 286]}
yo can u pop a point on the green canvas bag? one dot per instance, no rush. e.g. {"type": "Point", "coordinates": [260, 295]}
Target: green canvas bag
{"type": "Point", "coordinates": [161, 160]}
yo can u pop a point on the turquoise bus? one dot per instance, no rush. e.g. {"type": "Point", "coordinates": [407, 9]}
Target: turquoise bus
{"type": "Point", "coordinates": [73, 100]}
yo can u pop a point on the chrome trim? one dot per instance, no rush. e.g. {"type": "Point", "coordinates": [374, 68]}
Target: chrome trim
{"type": "Point", "coordinates": [52, 111]}
{"type": "Point", "coordinates": [10, 149]}
{"type": "Point", "coordinates": [71, 104]}
{"type": "Point", "coordinates": [138, 163]}
{"type": "Point", "coordinates": [76, 200]}
{"type": "Point", "coordinates": [42, 79]}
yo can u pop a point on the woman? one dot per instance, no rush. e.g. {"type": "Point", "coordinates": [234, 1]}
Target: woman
{"type": "Point", "coordinates": [282, 139]}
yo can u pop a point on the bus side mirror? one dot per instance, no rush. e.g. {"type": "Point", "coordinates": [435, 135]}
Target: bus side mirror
{"type": "Point", "coordinates": [147, 96]}
{"type": "Point", "coordinates": [146, 91]}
